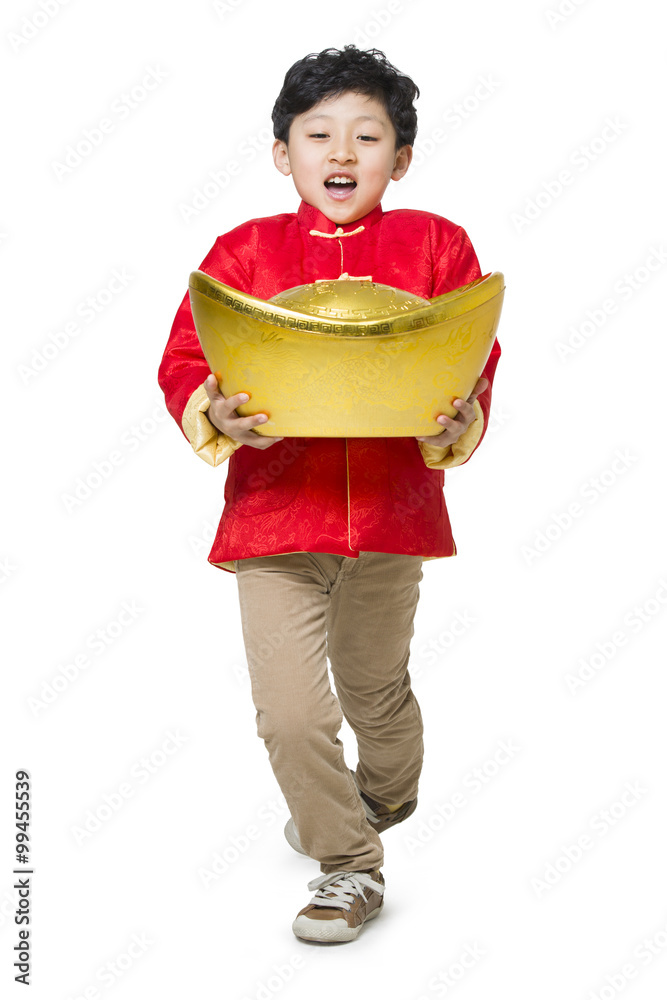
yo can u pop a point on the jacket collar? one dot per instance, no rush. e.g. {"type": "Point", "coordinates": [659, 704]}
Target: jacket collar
{"type": "Point", "coordinates": [311, 218]}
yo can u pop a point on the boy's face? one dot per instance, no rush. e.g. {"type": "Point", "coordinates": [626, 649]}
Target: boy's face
{"type": "Point", "coordinates": [346, 136]}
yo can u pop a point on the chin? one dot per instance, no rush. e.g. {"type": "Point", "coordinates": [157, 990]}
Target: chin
{"type": "Point", "coordinates": [344, 212]}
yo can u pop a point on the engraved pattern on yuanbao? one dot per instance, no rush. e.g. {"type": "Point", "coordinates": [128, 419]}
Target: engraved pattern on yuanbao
{"type": "Point", "coordinates": [358, 300]}
{"type": "Point", "coordinates": [278, 359]}
{"type": "Point", "coordinates": [360, 377]}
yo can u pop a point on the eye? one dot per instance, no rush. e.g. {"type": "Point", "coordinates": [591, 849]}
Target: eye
{"type": "Point", "coordinates": [370, 138]}
{"type": "Point", "coordinates": [318, 135]}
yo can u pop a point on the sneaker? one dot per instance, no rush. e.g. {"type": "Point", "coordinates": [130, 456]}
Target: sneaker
{"type": "Point", "coordinates": [292, 837]}
{"type": "Point", "coordinates": [379, 815]}
{"type": "Point", "coordinates": [343, 902]}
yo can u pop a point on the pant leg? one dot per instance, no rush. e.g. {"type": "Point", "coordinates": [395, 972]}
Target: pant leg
{"type": "Point", "coordinates": [370, 626]}
{"type": "Point", "coordinates": [283, 601]}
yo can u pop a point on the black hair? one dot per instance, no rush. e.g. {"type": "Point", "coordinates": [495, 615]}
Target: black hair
{"type": "Point", "coordinates": [332, 72]}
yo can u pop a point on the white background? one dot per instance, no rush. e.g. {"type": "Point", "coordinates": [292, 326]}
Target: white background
{"type": "Point", "coordinates": [580, 431]}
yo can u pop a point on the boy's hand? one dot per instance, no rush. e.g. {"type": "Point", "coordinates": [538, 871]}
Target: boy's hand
{"type": "Point", "coordinates": [222, 415]}
{"type": "Point", "coordinates": [455, 427]}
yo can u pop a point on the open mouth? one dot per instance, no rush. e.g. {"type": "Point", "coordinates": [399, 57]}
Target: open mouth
{"type": "Point", "coordinates": [340, 187]}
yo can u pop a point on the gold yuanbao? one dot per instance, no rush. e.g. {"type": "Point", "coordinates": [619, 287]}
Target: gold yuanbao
{"type": "Point", "coordinates": [349, 357]}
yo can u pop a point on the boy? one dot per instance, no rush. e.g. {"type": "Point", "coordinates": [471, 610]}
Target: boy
{"type": "Point", "coordinates": [327, 536]}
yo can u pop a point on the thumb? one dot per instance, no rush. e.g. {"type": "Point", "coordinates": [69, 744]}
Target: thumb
{"type": "Point", "coordinates": [212, 388]}
{"type": "Point", "coordinates": [480, 386]}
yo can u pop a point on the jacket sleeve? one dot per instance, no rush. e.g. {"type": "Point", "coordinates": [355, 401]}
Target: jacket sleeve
{"type": "Point", "coordinates": [454, 264]}
{"type": "Point", "coordinates": [184, 368]}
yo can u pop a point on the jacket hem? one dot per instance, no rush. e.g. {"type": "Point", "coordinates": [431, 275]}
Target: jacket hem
{"type": "Point", "coordinates": [228, 565]}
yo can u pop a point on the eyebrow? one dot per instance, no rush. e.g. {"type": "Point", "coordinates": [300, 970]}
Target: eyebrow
{"type": "Point", "coordinates": [359, 118]}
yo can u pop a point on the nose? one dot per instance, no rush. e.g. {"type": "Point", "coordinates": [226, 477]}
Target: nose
{"type": "Point", "coordinates": [342, 151]}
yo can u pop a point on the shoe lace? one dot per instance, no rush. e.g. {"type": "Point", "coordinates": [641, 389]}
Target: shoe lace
{"type": "Point", "coordinates": [338, 889]}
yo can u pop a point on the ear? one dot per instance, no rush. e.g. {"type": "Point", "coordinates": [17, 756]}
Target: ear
{"type": "Point", "coordinates": [281, 157]}
{"type": "Point", "coordinates": [401, 163]}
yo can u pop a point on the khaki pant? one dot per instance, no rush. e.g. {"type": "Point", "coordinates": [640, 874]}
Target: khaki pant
{"type": "Point", "coordinates": [296, 609]}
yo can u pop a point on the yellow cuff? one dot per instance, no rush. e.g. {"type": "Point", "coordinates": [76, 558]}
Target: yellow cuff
{"type": "Point", "coordinates": [208, 442]}
{"type": "Point", "coordinates": [457, 453]}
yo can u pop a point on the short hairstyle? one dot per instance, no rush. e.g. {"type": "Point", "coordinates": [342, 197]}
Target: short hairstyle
{"type": "Point", "coordinates": [332, 72]}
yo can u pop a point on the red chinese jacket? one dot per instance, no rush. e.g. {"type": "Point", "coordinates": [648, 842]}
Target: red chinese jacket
{"type": "Point", "coordinates": [339, 495]}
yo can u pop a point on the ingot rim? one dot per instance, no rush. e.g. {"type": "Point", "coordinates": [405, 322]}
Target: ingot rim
{"type": "Point", "coordinates": [435, 311]}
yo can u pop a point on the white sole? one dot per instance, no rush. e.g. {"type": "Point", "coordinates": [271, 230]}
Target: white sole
{"type": "Point", "coordinates": [329, 931]}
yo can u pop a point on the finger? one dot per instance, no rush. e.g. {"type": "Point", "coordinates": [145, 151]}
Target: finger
{"type": "Point", "coordinates": [447, 427]}
{"type": "Point", "coordinates": [442, 440]}
{"type": "Point", "coordinates": [261, 441]}
{"type": "Point", "coordinates": [466, 411]}
{"type": "Point", "coordinates": [231, 402]}
{"type": "Point", "coordinates": [247, 423]}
